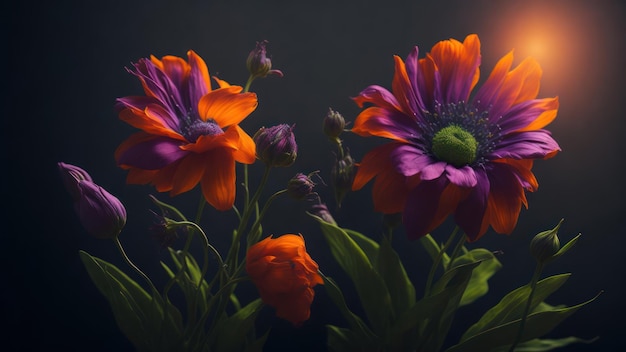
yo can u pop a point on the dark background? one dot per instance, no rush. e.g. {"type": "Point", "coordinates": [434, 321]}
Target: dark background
{"type": "Point", "coordinates": [64, 66]}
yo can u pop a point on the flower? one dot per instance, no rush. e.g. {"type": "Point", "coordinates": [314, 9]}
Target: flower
{"type": "Point", "coordinates": [285, 275]}
{"type": "Point", "coordinates": [300, 186]}
{"type": "Point", "coordinates": [190, 133]}
{"type": "Point", "coordinates": [276, 146]}
{"type": "Point", "coordinates": [100, 213]}
{"type": "Point", "coordinates": [258, 64]}
{"type": "Point", "coordinates": [452, 154]}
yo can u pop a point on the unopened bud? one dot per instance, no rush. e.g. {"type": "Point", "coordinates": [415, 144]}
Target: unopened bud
{"type": "Point", "coordinates": [334, 124]}
{"type": "Point", "coordinates": [276, 146]}
{"type": "Point", "coordinates": [545, 244]}
{"type": "Point", "coordinates": [300, 186]}
{"type": "Point", "coordinates": [342, 176]}
{"type": "Point", "coordinates": [259, 65]}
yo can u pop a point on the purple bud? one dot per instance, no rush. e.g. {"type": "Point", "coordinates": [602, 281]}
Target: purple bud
{"type": "Point", "coordinates": [259, 65]}
{"type": "Point", "coordinates": [342, 176]}
{"type": "Point", "coordinates": [101, 213]}
{"type": "Point", "coordinates": [276, 146]}
{"type": "Point", "coordinates": [71, 176]}
{"type": "Point", "coordinates": [334, 124]}
{"type": "Point", "coordinates": [321, 210]}
{"type": "Point", "coordinates": [300, 186]}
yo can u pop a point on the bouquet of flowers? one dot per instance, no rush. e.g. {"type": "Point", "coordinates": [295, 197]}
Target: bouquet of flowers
{"type": "Point", "coordinates": [449, 151]}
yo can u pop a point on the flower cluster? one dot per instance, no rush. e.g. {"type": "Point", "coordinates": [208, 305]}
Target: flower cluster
{"type": "Point", "coordinates": [450, 151]}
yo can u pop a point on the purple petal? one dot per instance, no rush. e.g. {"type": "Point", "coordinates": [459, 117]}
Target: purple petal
{"type": "Point", "coordinates": [521, 115]}
{"type": "Point", "coordinates": [470, 211]}
{"type": "Point", "coordinates": [433, 171]}
{"type": "Point", "coordinates": [413, 72]}
{"type": "Point", "coordinates": [163, 88]}
{"type": "Point", "coordinates": [409, 160]}
{"type": "Point", "coordinates": [525, 145]}
{"type": "Point", "coordinates": [152, 154]}
{"type": "Point", "coordinates": [462, 177]}
{"type": "Point", "coordinates": [101, 213]}
{"type": "Point", "coordinates": [392, 121]}
{"type": "Point", "coordinates": [421, 207]}
{"type": "Point", "coordinates": [378, 95]}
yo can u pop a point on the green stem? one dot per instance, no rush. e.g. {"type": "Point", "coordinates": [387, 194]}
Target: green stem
{"type": "Point", "coordinates": [231, 259]}
{"type": "Point", "coordinates": [252, 238]}
{"type": "Point", "coordinates": [200, 209]}
{"type": "Point", "coordinates": [183, 267]}
{"type": "Point", "coordinates": [437, 261]}
{"type": "Point", "coordinates": [533, 284]}
{"type": "Point", "coordinates": [120, 248]}
{"type": "Point", "coordinates": [248, 83]}
{"type": "Point", "coordinates": [457, 249]}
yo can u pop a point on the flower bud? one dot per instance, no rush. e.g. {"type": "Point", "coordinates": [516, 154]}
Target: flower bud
{"type": "Point", "coordinates": [259, 65]}
{"type": "Point", "coordinates": [545, 244]}
{"type": "Point", "coordinates": [321, 210]}
{"type": "Point", "coordinates": [276, 146]}
{"type": "Point", "coordinates": [72, 175]}
{"type": "Point", "coordinates": [300, 186]}
{"type": "Point", "coordinates": [342, 176]}
{"type": "Point", "coordinates": [333, 125]}
{"type": "Point", "coordinates": [101, 213]}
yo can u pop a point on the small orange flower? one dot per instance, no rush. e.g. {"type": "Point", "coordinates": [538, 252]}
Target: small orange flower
{"type": "Point", "coordinates": [285, 275]}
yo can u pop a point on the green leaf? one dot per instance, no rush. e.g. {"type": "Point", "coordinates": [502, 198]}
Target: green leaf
{"type": "Point", "coordinates": [390, 268]}
{"type": "Point", "coordinates": [566, 247]}
{"type": "Point", "coordinates": [359, 328]}
{"type": "Point", "coordinates": [369, 285]}
{"type": "Point", "coordinates": [538, 345]}
{"type": "Point", "coordinates": [231, 332]}
{"type": "Point", "coordinates": [341, 340]}
{"type": "Point", "coordinates": [537, 325]}
{"type": "Point", "coordinates": [433, 249]}
{"type": "Point", "coordinates": [132, 306]}
{"type": "Point", "coordinates": [369, 246]}
{"type": "Point", "coordinates": [478, 285]}
{"type": "Point", "coordinates": [455, 282]}
{"type": "Point", "coordinates": [511, 306]}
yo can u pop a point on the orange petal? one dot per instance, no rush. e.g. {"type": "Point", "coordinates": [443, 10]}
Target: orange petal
{"type": "Point", "coordinates": [372, 165]}
{"type": "Point", "coordinates": [146, 120]}
{"type": "Point", "coordinates": [223, 84]}
{"type": "Point", "coordinates": [188, 173]}
{"type": "Point", "coordinates": [246, 149]}
{"type": "Point", "coordinates": [196, 61]}
{"type": "Point", "coordinates": [503, 214]}
{"type": "Point", "coordinates": [218, 181]}
{"type": "Point", "coordinates": [551, 105]}
{"type": "Point", "coordinates": [139, 176]}
{"type": "Point", "coordinates": [227, 106]}
{"type": "Point", "coordinates": [389, 192]}
{"type": "Point", "coordinates": [401, 85]}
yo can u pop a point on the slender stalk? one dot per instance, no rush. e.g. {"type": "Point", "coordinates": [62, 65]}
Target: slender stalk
{"type": "Point", "coordinates": [120, 248]}
{"type": "Point", "coordinates": [251, 240]}
{"type": "Point", "coordinates": [457, 249]}
{"type": "Point", "coordinates": [533, 285]}
{"type": "Point", "coordinates": [437, 261]}
{"type": "Point", "coordinates": [231, 259]}
{"type": "Point", "coordinates": [248, 83]}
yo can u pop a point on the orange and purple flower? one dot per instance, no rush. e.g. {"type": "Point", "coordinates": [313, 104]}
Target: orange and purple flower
{"type": "Point", "coordinates": [190, 133]}
{"type": "Point", "coordinates": [452, 153]}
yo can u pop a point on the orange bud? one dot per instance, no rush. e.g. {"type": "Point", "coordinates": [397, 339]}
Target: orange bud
{"type": "Point", "coordinates": [285, 275]}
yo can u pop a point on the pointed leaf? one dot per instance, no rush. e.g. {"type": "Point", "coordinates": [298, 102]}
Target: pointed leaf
{"type": "Point", "coordinates": [231, 332]}
{"type": "Point", "coordinates": [370, 287]}
{"type": "Point", "coordinates": [478, 285]}
{"type": "Point", "coordinates": [537, 325]}
{"type": "Point", "coordinates": [390, 268]}
{"type": "Point", "coordinates": [511, 306]}
{"type": "Point", "coordinates": [538, 345]}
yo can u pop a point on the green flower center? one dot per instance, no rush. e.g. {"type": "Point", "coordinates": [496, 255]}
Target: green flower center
{"type": "Point", "coordinates": [455, 146]}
